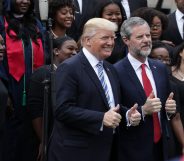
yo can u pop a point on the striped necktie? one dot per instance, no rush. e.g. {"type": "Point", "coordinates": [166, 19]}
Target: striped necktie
{"type": "Point", "coordinates": [102, 80]}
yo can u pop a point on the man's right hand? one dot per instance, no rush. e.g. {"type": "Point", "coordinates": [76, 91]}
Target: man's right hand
{"type": "Point", "coordinates": [112, 118]}
{"type": "Point", "coordinates": [152, 105]}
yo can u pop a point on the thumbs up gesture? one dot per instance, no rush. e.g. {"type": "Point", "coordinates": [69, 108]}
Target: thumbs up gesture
{"type": "Point", "coordinates": [152, 104]}
{"type": "Point", "coordinates": [170, 105]}
{"type": "Point", "coordinates": [134, 116]}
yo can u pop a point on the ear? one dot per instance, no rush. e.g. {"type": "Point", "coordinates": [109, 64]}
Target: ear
{"type": "Point", "coordinates": [181, 53]}
{"type": "Point", "coordinates": [88, 41]}
{"type": "Point", "coordinates": [56, 51]}
{"type": "Point", "coordinates": [125, 40]}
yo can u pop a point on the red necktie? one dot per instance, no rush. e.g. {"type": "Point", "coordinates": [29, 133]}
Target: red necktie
{"type": "Point", "coordinates": [148, 89]}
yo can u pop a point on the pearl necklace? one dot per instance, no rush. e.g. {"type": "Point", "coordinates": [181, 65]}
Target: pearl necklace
{"type": "Point", "coordinates": [54, 35]}
{"type": "Point", "coordinates": [181, 75]}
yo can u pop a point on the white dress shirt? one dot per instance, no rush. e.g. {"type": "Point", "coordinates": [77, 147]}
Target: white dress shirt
{"type": "Point", "coordinates": [180, 21]}
{"type": "Point", "coordinates": [80, 5]}
{"type": "Point", "coordinates": [94, 61]}
{"type": "Point", "coordinates": [126, 7]}
{"type": "Point", "coordinates": [137, 67]}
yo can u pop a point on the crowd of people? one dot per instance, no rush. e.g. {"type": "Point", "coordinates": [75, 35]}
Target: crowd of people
{"type": "Point", "coordinates": [104, 82]}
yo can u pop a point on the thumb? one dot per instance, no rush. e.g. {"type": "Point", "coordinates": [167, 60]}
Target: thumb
{"type": "Point", "coordinates": [133, 108]}
{"type": "Point", "coordinates": [171, 95]}
{"type": "Point", "coordinates": [116, 109]}
{"type": "Point", "coordinates": [152, 95]}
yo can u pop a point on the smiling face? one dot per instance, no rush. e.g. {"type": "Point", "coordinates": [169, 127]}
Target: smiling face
{"type": "Point", "coordinates": [101, 44]}
{"type": "Point", "coordinates": [64, 17]}
{"type": "Point", "coordinates": [22, 6]}
{"type": "Point", "coordinates": [139, 43]}
{"type": "Point", "coordinates": [112, 13]}
{"type": "Point", "coordinates": [67, 50]}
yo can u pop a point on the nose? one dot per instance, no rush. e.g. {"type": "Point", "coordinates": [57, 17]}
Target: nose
{"type": "Point", "coordinates": [146, 38]}
{"type": "Point", "coordinates": [74, 52]}
{"type": "Point", "coordinates": [69, 14]}
{"type": "Point", "coordinates": [114, 17]}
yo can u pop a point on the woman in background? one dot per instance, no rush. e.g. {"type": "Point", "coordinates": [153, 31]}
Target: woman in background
{"type": "Point", "coordinates": [114, 12]}
{"type": "Point", "coordinates": [23, 36]}
{"type": "Point", "coordinates": [157, 21]}
{"type": "Point", "coordinates": [63, 48]}
{"type": "Point", "coordinates": [62, 14]}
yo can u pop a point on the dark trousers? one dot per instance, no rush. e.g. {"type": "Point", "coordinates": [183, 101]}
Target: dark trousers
{"type": "Point", "coordinates": [158, 151]}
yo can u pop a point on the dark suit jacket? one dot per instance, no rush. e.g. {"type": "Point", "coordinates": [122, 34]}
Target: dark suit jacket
{"type": "Point", "coordinates": [80, 107]}
{"type": "Point", "coordinates": [88, 12]}
{"type": "Point", "coordinates": [136, 143]}
{"type": "Point", "coordinates": [172, 31]}
{"type": "Point", "coordinates": [3, 103]}
{"type": "Point", "coordinates": [135, 4]}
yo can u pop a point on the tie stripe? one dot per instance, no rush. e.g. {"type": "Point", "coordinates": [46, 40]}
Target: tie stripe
{"type": "Point", "coordinates": [102, 80]}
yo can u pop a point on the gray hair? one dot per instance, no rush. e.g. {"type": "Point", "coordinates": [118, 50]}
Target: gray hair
{"type": "Point", "coordinates": [94, 24]}
{"type": "Point", "coordinates": [126, 27]}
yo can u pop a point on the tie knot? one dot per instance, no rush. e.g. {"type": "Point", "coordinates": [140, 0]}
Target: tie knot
{"type": "Point", "coordinates": [100, 64]}
{"type": "Point", "coordinates": [143, 66]}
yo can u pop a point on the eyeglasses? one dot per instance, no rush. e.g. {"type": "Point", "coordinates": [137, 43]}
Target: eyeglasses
{"type": "Point", "coordinates": [157, 26]}
{"type": "Point", "coordinates": [163, 60]}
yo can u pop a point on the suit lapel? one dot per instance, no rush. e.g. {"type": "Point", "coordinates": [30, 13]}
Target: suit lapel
{"type": "Point", "coordinates": [175, 26]}
{"type": "Point", "coordinates": [94, 78]}
{"type": "Point", "coordinates": [134, 80]}
{"type": "Point", "coordinates": [112, 82]}
{"type": "Point", "coordinates": [156, 76]}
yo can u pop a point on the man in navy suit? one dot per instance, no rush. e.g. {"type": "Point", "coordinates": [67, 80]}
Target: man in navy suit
{"type": "Point", "coordinates": [146, 142]}
{"type": "Point", "coordinates": [175, 29]}
{"type": "Point", "coordinates": [131, 5]}
{"type": "Point", "coordinates": [86, 113]}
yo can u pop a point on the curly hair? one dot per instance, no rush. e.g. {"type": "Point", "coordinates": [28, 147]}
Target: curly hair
{"type": "Point", "coordinates": [56, 5]}
{"type": "Point", "coordinates": [149, 13]}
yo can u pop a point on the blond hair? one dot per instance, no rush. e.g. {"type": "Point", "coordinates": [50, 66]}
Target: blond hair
{"type": "Point", "coordinates": [94, 24]}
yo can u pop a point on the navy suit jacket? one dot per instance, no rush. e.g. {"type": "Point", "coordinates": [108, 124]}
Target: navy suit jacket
{"type": "Point", "coordinates": [79, 112]}
{"type": "Point", "coordinates": [172, 32]}
{"type": "Point", "coordinates": [136, 143]}
{"type": "Point", "coordinates": [135, 4]}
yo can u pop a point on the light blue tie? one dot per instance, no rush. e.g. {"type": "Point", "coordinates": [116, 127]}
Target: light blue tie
{"type": "Point", "coordinates": [102, 80]}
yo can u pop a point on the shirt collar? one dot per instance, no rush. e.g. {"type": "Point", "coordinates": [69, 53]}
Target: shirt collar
{"type": "Point", "coordinates": [90, 57]}
{"type": "Point", "coordinates": [136, 63]}
{"type": "Point", "coordinates": [179, 15]}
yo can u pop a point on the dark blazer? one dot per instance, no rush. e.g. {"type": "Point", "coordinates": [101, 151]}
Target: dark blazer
{"type": "Point", "coordinates": [3, 104]}
{"type": "Point", "coordinates": [172, 32]}
{"type": "Point", "coordinates": [88, 12]}
{"type": "Point", "coordinates": [80, 107]}
{"type": "Point", "coordinates": [136, 143]}
{"type": "Point", "coordinates": [135, 4]}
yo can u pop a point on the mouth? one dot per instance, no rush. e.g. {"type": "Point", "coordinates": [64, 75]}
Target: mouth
{"type": "Point", "coordinates": [146, 47]}
{"type": "Point", "coordinates": [108, 49]}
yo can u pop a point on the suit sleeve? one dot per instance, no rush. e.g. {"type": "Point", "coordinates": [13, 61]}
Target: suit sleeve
{"type": "Point", "coordinates": [67, 108]}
